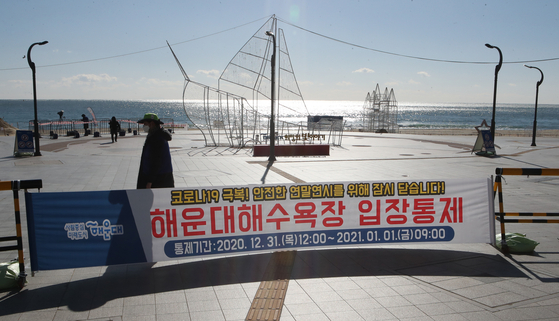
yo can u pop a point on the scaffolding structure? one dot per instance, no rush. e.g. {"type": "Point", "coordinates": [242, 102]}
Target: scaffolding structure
{"type": "Point", "coordinates": [380, 112]}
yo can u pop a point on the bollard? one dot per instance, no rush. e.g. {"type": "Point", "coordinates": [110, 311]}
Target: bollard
{"type": "Point", "coordinates": [498, 188]}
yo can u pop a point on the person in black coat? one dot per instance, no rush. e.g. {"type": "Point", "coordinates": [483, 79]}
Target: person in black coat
{"type": "Point", "coordinates": [115, 129]}
{"type": "Point", "coordinates": [85, 121]}
{"type": "Point", "coordinates": [156, 170]}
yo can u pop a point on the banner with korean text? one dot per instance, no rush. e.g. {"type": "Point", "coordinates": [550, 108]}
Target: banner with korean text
{"type": "Point", "coordinates": [114, 227]}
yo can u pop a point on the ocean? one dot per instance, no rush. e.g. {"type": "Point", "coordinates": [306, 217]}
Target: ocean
{"type": "Point", "coordinates": [410, 115]}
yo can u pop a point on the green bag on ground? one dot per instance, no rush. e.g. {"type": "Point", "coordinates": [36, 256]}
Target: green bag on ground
{"type": "Point", "coordinates": [9, 272]}
{"type": "Point", "coordinates": [517, 243]}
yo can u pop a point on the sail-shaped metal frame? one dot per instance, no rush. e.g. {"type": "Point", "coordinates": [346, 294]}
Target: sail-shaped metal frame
{"type": "Point", "coordinates": [227, 117]}
{"type": "Point", "coordinates": [234, 132]}
{"type": "Point", "coordinates": [286, 70]}
{"type": "Point", "coordinates": [254, 76]}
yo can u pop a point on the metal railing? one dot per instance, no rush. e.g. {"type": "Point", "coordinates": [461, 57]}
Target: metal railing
{"type": "Point", "coordinates": [70, 127]}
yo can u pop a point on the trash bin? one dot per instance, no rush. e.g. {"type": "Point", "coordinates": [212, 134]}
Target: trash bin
{"type": "Point", "coordinates": [122, 133]}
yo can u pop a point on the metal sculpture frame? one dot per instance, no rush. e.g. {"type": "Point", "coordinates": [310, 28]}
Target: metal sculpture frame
{"type": "Point", "coordinates": [380, 112]}
{"type": "Point", "coordinates": [227, 118]}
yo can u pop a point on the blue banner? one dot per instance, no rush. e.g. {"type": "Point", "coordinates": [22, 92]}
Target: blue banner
{"type": "Point", "coordinates": [80, 229]}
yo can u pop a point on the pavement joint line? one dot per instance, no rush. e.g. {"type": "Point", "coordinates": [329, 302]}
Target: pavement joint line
{"type": "Point", "coordinates": [530, 150]}
{"type": "Point", "coordinates": [521, 303]}
{"type": "Point", "coordinates": [65, 144]}
{"type": "Point", "coordinates": [530, 272]}
{"type": "Point", "coordinates": [495, 308]}
{"type": "Point", "coordinates": [361, 160]}
{"type": "Point", "coordinates": [60, 146]}
{"type": "Point", "coordinates": [35, 161]}
{"type": "Point", "coordinates": [466, 299]}
{"type": "Point", "coordinates": [423, 140]}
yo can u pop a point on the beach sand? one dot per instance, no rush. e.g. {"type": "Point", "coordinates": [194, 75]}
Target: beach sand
{"type": "Point", "coordinates": [6, 129]}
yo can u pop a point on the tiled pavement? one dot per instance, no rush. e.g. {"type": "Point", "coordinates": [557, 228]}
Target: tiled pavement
{"type": "Point", "coordinates": [420, 282]}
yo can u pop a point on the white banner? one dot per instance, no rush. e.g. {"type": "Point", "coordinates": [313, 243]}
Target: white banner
{"type": "Point", "coordinates": [187, 222]}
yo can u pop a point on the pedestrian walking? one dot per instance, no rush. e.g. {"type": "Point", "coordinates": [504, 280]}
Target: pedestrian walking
{"type": "Point", "coordinates": [115, 129]}
{"type": "Point", "coordinates": [156, 170]}
{"type": "Point", "coordinates": [85, 121]}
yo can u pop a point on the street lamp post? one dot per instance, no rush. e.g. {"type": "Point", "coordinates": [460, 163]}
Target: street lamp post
{"type": "Point", "coordinates": [536, 109]}
{"type": "Point", "coordinates": [32, 66]}
{"type": "Point", "coordinates": [272, 122]}
{"type": "Point", "coordinates": [497, 68]}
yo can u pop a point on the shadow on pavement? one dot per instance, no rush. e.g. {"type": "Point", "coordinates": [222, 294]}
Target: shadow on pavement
{"type": "Point", "coordinates": [124, 281]}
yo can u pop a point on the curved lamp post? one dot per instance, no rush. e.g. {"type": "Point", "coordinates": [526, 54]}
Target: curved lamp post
{"type": "Point", "coordinates": [32, 66]}
{"type": "Point", "coordinates": [272, 122]}
{"type": "Point", "coordinates": [536, 109]}
{"type": "Point", "coordinates": [497, 68]}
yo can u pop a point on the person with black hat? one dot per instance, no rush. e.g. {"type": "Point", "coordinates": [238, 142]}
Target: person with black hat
{"type": "Point", "coordinates": [156, 170]}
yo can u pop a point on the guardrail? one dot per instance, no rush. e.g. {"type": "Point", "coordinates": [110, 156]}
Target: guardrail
{"type": "Point", "coordinates": [63, 127]}
{"type": "Point", "coordinates": [503, 217]}
{"type": "Point", "coordinates": [16, 186]}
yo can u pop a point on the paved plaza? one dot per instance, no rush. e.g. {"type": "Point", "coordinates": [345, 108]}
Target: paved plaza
{"type": "Point", "coordinates": [389, 282]}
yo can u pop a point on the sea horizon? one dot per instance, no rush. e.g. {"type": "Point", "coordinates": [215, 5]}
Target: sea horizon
{"type": "Point", "coordinates": [420, 115]}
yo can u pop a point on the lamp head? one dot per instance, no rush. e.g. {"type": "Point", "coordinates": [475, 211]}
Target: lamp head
{"type": "Point", "coordinates": [528, 66]}
{"type": "Point", "coordinates": [43, 43]}
{"type": "Point", "coordinates": [269, 33]}
{"type": "Point", "coordinates": [489, 46]}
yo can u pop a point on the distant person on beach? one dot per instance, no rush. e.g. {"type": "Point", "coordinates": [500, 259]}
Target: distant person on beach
{"type": "Point", "coordinates": [85, 124]}
{"type": "Point", "coordinates": [115, 129]}
{"type": "Point", "coordinates": [60, 113]}
{"type": "Point", "coordinates": [156, 170]}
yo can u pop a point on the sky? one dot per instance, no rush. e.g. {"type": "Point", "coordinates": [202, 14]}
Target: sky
{"type": "Point", "coordinates": [340, 50]}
